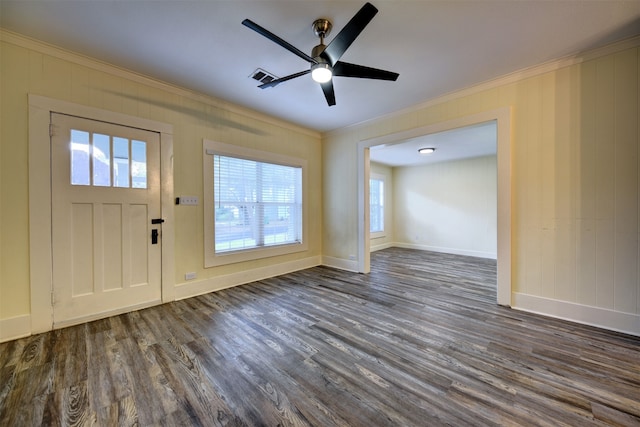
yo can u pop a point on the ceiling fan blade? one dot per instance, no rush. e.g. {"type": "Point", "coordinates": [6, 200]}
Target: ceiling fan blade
{"type": "Point", "coordinates": [276, 82]}
{"type": "Point", "coordinates": [268, 34]}
{"type": "Point", "coordinates": [348, 34]}
{"type": "Point", "coordinates": [329, 94]}
{"type": "Point", "coordinates": [344, 69]}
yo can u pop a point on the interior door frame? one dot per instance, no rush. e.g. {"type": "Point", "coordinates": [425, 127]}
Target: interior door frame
{"type": "Point", "coordinates": [40, 242]}
{"type": "Point", "coordinates": [502, 116]}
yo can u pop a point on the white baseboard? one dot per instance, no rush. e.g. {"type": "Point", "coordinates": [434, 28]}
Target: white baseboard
{"type": "Point", "coordinates": [340, 263]}
{"type": "Point", "coordinates": [194, 288]}
{"type": "Point", "coordinates": [15, 327]}
{"type": "Point", "coordinates": [627, 323]}
{"type": "Point", "coordinates": [351, 265]}
{"type": "Point", "coordinates": [380, 247]}
{"type": "Point", "coordinates": [455, 251]}
{"type": "Point", "coordinates": [20, 326]}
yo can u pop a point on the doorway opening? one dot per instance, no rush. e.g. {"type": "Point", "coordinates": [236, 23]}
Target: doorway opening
{"type": "Point", "coordinates": [501, 118]}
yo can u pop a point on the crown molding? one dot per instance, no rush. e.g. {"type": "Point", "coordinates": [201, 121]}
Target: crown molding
{"type": "Point", "coordinates": [506, 79]}
{"type": "Point", "coordinates": [554, 65]}
{"type": "Point", "coordinates": [95, 64]}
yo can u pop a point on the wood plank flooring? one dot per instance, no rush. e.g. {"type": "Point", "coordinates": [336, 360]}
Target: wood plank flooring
{"type": "Point", "coordinates": [418, 342]}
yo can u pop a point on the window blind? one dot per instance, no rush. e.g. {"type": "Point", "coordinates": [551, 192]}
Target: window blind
{"type": "Point", "coordinates": [257, 204]}
{"type": "Point", "coordinates": [376, 205]}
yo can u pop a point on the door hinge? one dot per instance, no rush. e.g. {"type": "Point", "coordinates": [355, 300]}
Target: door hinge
{"type": "Point", "coordinates": [51, 130]}
{"type": "Point", "coordinates": [53, 298]}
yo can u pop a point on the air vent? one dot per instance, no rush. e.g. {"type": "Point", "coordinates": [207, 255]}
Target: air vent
{"type": "Point", "coordinates": [262, 76]}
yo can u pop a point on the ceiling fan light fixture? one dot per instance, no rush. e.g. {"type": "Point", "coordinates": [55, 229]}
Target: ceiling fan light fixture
{"type": "Point", "coordinates": [325, 59]}
{"type": "Point", "coordinates": [426, 150]}
{"type": "Point", "coordinates": [321, 72]}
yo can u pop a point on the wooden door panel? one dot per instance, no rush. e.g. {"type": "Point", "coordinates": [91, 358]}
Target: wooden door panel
{"type": "Point", "coordinates": [104, 198]}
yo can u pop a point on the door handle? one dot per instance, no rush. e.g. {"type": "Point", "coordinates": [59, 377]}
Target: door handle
{"type": "Point", "coordinates": [154, 236]}
{"type": "Point", "coordinates": [157, 221]}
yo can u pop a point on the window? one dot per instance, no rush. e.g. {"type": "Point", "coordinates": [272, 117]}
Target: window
{"type": "Point", "coordinates": [376, 205]}
{"type": "Point", "coordinates": [253, 204]}
{"type": "Point", "coordinates": [107, 161]}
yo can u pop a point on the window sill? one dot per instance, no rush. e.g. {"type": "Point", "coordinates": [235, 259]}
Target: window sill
{"type": "Point", "coordinates": [377, 235]}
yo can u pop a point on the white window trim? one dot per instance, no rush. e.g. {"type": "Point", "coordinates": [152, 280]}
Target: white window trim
{"type": "Point", "coordinates": [211, 259]}
{"type": "Point", "coordinates": [383, 233]}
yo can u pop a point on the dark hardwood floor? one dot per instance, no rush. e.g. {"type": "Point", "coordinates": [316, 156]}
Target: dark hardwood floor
{"type": "Point", "coordinates": [418, 342]}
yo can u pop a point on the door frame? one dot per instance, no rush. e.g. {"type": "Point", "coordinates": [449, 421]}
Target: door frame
{"type": "Point", "coordinates": [502, 116]}
{"type": "Point", "coordinates": [40, 242]}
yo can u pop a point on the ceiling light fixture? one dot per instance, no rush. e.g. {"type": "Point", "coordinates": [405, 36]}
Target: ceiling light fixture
{"type": "Point", "coordinates": [426, 150]}
{"type": "Point", "coordinates": [321, 72]}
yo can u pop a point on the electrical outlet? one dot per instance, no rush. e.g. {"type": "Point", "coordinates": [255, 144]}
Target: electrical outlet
{"type": "Point", "coordinates": [187, 200]}
{"type": "Point", "coordinates": [190, 276]}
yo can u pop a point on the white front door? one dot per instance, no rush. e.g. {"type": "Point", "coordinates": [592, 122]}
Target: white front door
{"type": "Point", "coordinates": [105, 197]}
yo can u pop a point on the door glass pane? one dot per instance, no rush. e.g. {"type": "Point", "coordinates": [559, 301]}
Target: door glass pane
{"type": "Point", "coordinates": [101, 160]}
{"type": "Point", "coordinates": [139, 164]}
{"type": "Point", "coordinates": [80, 172]}
{"type": "Point", "coordinates": [120, 162]}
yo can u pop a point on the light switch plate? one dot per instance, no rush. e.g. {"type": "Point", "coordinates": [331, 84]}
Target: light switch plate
{"type": "Point", "coordinates": [187, 200]}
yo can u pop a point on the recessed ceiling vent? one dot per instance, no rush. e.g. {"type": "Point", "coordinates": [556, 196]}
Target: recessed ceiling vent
{"type": "Point", "coordinates": [262, 76]}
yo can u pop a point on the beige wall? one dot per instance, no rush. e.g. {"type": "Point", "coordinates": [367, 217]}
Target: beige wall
{"type": "Point", "coordinates": [28, 67]}
{"type": "Point", "coordinates": [575, 190]}
{"type": "Point", "coordinates": [447, 207]}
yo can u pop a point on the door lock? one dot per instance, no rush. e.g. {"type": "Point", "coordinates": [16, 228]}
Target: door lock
{"type": "Point", "coordinates": [154, 236]}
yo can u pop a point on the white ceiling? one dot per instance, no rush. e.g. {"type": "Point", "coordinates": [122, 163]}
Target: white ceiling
{"type": "Point", "coordinates": [436, 46]}
{"type": "Point", "coordinates": [456, 144]}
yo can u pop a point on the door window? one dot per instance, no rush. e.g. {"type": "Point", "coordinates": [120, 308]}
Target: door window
{"type": "Point", "coordinates": [107, 161]}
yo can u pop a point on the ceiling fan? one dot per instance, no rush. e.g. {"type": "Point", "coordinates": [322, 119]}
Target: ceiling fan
{"type": "Point", "coordinates": [325, 60]}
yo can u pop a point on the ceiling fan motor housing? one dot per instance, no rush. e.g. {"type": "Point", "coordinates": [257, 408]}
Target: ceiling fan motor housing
{"type": "Point", "coordinates": [317, 50]}
{"type": "Point", "coordinates": [321, 28]}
